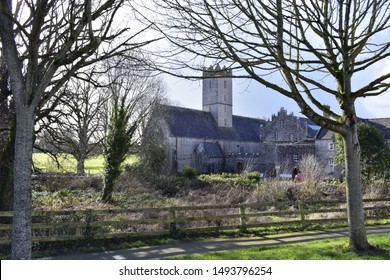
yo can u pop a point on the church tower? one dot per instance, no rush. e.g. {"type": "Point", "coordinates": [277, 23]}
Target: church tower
{"type": "Point", "coordinates": [218, 95]}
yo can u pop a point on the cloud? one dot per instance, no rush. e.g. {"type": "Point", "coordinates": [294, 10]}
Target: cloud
{"type": "Point", "coordinates": [379, 106]}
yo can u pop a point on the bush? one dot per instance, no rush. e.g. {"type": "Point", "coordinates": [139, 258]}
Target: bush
{"type": "Point", "coordinates": [253, 176]}
{"type": "Point", "coordinates": [313, 171]}
{"type": "Point", "coordinates": [189, 172]}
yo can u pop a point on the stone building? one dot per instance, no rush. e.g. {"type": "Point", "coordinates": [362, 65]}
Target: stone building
{"type": "Point", "coordinates": [213, 140]}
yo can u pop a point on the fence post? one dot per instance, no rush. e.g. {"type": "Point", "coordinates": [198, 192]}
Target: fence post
{"type": "Point", "coordinates": [173, 225]}
{"type": "Point", "coordinates": [301, 212]}
{"type": "Point", "coordinates": [243, 218]}
{"type": "Point", "coordinates": [88, 228]}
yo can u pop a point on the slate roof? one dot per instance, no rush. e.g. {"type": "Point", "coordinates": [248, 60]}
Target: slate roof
{"type": "Point", "coordinates": [184, 122]}
{"type": "Point", "coordinates": [213, 150]}
{"type": "Point", "coordinates": [312, 128]}
{"type": "Point", "coordinates": [324, 134]}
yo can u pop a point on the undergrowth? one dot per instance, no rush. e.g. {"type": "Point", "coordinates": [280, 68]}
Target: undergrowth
{"type": "Point", "coordinates": [139, 189]}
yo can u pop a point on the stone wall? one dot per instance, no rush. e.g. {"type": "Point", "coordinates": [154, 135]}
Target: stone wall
{"type": "Point", "coordinates": [325, 152]}
{"type": "Point", "coordinates": [288, 155]}
{"type": "Point", "coordinates": [284, 127]}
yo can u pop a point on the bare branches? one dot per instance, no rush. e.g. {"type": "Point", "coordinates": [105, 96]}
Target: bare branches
{"type": "Point", "coordinates": [315, 47]}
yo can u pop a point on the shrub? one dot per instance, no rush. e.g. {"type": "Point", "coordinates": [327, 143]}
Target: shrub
{"type": "Point", "coordinates": [189, 172]}
{"type": "Point", "coordinates": [253, 176]}
{"type": "Point", "coordinates": [312, 170]}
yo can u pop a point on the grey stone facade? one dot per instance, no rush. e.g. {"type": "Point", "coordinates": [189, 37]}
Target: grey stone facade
{"type": "Point", "coordinates": [213, 140]}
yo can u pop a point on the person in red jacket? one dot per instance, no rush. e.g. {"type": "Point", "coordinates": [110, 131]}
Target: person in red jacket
{"type": "Point", "coordinates": [299, 177]}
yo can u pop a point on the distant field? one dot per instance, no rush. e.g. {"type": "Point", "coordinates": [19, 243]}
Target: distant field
{"type": "Point", "coordinates": [93, 165]}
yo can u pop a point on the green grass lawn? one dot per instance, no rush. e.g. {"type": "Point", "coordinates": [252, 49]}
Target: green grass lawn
{"type": "Point", "coordinates": [330, 249]}
{"type": "Point", "coordinates": [93, 165]}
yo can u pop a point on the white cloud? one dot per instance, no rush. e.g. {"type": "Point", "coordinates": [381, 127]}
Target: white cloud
{"type": "Point", "coordinates": [379, 106]}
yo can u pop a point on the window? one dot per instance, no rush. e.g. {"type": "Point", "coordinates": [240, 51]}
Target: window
{"type": "Point", "coordinates": [295, 157]}
{"type": "Point", "coordinates": [224, 84]}
{"type": "Point", "coordinates": [331, 165]}
{"type": "Point", "coordinates": [331, 146]}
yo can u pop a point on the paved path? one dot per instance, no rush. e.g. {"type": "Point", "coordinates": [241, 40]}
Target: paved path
{"type": "Point", "coordinates": [188, 248]}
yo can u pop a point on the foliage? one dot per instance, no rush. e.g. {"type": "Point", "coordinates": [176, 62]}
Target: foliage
{"type": "Point", "coordinates": [153, 156]}
{"type": "Point", "coordinates": [189, 172]}
{"type": "Point", "coordinates": [239, 179]}
{"type": "Point", "coordinates": [253, 176]}
{"type": "Point", "coordinates": [375, 152]}
{"type": "Point", "coordinates": [117, 144]}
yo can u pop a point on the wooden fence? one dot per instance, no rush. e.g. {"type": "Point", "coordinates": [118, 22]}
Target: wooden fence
{"type": "Point", "coordinates": [172, 221]}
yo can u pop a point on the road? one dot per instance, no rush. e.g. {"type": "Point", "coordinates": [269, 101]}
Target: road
{"type": "Point", "coordinates": [195, 247]}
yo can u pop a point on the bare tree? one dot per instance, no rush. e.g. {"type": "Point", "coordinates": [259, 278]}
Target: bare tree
{"type": "Point", "coordinates": [44, 43]}
{"type": "Point", "coordinates": [305, 50]}
{"type": "Point", "coordinates": [76, 125]}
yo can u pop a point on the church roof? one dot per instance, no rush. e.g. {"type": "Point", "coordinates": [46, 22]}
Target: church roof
{"type": "Point", "coordinates": [212, 149]}
{"type": "Point", "coordinates": [190, 123]}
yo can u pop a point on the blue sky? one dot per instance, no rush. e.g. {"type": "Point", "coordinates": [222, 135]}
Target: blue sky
{"type": "Point", "coordinates": [252, 99]}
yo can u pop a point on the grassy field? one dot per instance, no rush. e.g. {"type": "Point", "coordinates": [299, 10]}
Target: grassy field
{"type": "Point", "coordinates": [93, 165]}
{"type": "Point", "coordinates": [330, 249]}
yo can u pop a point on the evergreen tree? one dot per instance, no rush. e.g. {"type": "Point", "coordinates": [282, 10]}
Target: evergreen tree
{"type": "Point", "coordinates": [117, 144]}
{"type": "Point", "coordinates": [375, 152]}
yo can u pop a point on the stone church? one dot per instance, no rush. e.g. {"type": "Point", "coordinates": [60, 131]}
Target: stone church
{"type": "Point", "coordinates": [213, 140]}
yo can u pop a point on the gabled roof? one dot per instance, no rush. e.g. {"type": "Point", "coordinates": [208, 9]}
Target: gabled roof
{"type": "Point", "coordinates": [213, 150]}
{"type": "Point", "coordinates": [190, 123]}
{"type": "Point", "coordinates": [312, 128]}
{"type": "Point", "coordinates": [324, 134]}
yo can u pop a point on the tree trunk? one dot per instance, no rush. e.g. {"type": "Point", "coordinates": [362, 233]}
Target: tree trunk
{"type": "Point", "coordinates": [82, 153]}
{"type": "Point", "coordinates": [21, 230]}
{"type": "Point", "coordinates": [111, 173]}
{"type": "Point", "coordinates": [81, 165]}
{"type": "Point", "coordinates": [108, 188]}
{"type": "Point", "coordinates": [357, 233]}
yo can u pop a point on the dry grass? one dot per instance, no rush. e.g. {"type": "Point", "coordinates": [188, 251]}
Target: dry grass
{"type": "Point", "coordinates": [135, 189]}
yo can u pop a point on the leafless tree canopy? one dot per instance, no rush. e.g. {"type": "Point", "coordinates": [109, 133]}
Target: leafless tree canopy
{"type": "Point", "coordinates": [301, 49]}
{"type": "Point", "coordinates": [45, 42]}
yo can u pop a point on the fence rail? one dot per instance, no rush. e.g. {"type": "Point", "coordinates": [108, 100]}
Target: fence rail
{"type": "Point", "coordinates": [172, 221]}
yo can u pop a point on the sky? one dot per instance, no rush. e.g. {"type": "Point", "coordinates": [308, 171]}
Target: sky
{"type": "Point", "coordinates": [251, 99]}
